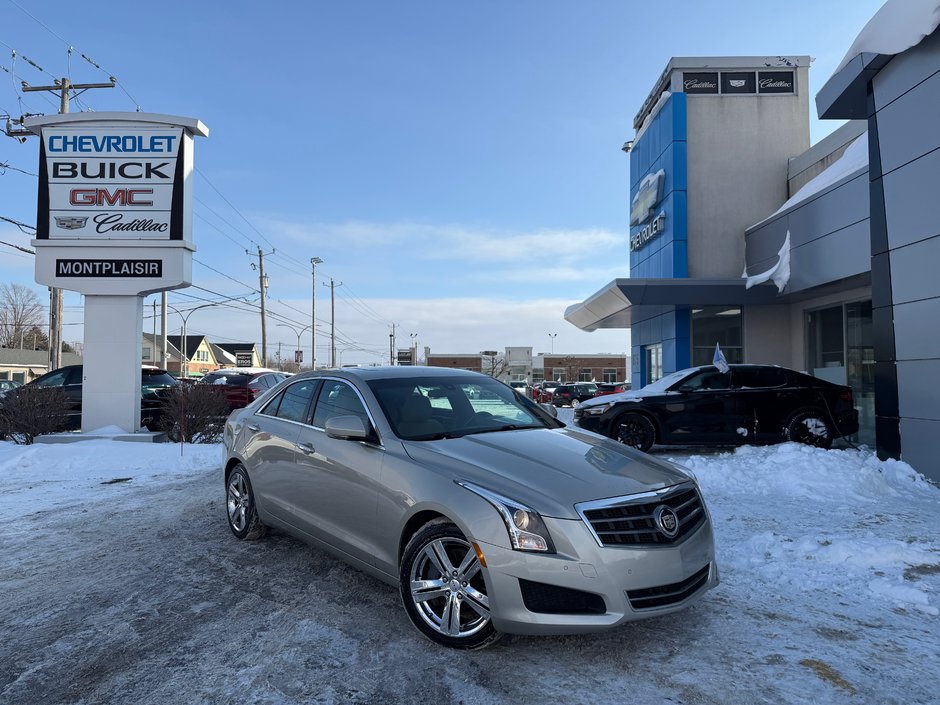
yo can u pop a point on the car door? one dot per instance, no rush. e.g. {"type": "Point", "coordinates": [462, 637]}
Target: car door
{"type": "Point", "coordinates": [704, 410]}
{"type": "Point", "coordinates": [766, 400]}
{"type": "Point", "coordinates": [336, 480]}
{"type": "Point", "coordinates": [270, 449]}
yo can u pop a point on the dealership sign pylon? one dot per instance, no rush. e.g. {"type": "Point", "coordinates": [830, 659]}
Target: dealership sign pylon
{"type": "Point", "coordinates": [114, 222]}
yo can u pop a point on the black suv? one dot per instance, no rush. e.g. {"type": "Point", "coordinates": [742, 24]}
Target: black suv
{"type": "Point", "coordinates": [573, 394]}
{"type": "Point", "coordinates": [758, 404]}
{"type": "Point", "coordinates": [154, 386]}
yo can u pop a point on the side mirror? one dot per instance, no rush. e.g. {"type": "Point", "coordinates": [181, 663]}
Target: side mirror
{"type": "Point", "coordinates": [550, 410]}
{"type": "Point", "coordinates": [347, 428]}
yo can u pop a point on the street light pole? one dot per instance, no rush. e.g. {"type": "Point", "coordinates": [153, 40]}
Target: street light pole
{"type": "Point", "coordinates": [183, 352]}
{"type": "Point", "coordinates": [314, 261]}
{"type": "Point", "coordinates": [553, 336]}
{"type": "Point", "coordinates": [414, 347]}
{"type": "Point", "coordinates": [297, 332]}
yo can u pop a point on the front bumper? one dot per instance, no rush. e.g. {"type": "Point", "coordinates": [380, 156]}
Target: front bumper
{"type": "Point", "coordinates": [676, 575]}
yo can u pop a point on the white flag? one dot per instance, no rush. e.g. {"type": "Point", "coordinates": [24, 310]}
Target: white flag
{"type": "Point", "coordinates": [719, 360]}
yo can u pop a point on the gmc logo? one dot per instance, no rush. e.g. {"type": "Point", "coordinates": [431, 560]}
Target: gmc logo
{"type": "Point", "coordinates": [105, 197]}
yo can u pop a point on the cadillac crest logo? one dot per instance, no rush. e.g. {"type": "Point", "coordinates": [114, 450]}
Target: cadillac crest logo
{"type": "Point", "coordinates": [70, 222]}
{"type": "Point", "coordinates": [666, 521]}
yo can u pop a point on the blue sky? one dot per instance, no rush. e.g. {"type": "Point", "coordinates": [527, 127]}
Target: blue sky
{"type": "Point", "coordinates": [456, 165]}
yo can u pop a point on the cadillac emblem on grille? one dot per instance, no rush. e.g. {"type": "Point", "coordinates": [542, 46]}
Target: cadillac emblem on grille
{"type": "Point", "coordinates": [666, 521]}
{"type": "Point", "coordinates": [70, 223]}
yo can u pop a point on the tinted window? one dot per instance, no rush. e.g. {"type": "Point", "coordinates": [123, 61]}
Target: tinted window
{"type": "Point", "coordinates": [338, 399]}
{"type": "Point", "coordinates": [56, 379]}
{"type": "Point", "coordinates": [294, 400]}
{"type": "Point", "coordinates": [264, 381]}
{"type": "Point", "coordinates": [706, 380]}
{"type": "Point", "coordinates": [156, 378]}
{"type": "Point", "coordinates": [758, 377]}
{"type": "Point", "coordinates": [237, 380]}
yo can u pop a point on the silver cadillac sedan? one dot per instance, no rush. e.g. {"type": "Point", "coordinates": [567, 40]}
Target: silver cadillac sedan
{"type": "Point", "coordinates": [488, 514]}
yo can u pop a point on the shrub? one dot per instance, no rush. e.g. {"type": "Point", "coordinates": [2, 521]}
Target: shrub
{"type": "Point", "coordinates": [32, 411]}
{"type": "Point", "coordinates": [194, 414]}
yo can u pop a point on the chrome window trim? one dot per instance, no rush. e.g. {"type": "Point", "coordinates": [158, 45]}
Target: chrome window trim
{"type": "Point", "coordinates": [361, 399]}
{"type": "Point", "coordinates": [643, 497]}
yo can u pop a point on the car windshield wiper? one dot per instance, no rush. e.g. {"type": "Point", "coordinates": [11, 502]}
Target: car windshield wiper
{"type": "Point", "coordinates": [505, 427]}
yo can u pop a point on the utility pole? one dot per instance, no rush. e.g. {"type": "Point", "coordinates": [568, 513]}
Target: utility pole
{"type": "Point", "coordinates": [333, 286]}
{"type": "Point", "coordinates": [62, 87]}
{"type": "Point", "coordinates": [263, 287]}
{"type": "Point", "coordinates": [314, 261]}
{"type": "Point", "coordinates": [391, 346]}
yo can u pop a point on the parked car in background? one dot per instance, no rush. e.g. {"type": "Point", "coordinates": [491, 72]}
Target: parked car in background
{"type": "Point", "coordinates": [573, 394]}
{"type": "Point", "coordinates": [757, 404]}
{"type": "Point", "coordinates": [473, 506]}
{"type": "Point", "coordinates": [546, 390]}
{"type": "Point", "coordinates": [242, 385]}
{"type": "Point", "coordinates": [611, 388]}
{"type": "Point", "coordinates": [7, 384]}
{"type": "Point", "coordinates": [522, 387]}
{"type": "Point", "coordinates": [154, 386]}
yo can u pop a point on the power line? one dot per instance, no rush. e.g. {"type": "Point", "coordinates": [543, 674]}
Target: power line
{"type": "Point", "coordinates": [250, 225]}
{"type": "Point", "coordinates": [7, 165]}
{"type": "Point", "coordinates": [225, 275]}
{"type": "Point", "coordinates": [24, 228]}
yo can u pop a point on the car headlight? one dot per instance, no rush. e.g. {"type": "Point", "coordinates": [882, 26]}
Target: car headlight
{"type": "Point", "coordinates": [595, 410]}
{"type": "Point", "coordinates": [527, 531]}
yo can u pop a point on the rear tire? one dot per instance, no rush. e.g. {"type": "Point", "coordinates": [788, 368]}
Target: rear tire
{"type": "Point", "coordinates": [240, 506]}
{"type": "Point", "coordinates": [634, 430]}
{"type": "Point", "coordinates": [809, 427]}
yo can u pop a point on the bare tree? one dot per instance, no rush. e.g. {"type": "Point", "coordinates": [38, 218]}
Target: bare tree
{"type": "Point", "coordinates": [19, 312]}
{"type": "Point", "coordinates": [493, 364]}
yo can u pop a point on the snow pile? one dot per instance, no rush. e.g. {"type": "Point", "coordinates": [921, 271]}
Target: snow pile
{"type": "Point", "coordinates": [895, 28]}
{"type": "Point", "coordinates": [808, 520]}
{"type": "Point", "coordinates": [43, 476]}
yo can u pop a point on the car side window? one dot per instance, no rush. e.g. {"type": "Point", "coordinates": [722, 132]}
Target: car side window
{"type": "Point", "coordinates": [291, 404]}
{"type": "Point", "coordinates": [53, 380]}
{"type": "Point", "coordinates": [707, 380]}
{"type": "Point", "coordinates": [338, 399]}
{"type": "Point", "coordinates": [759, 378]}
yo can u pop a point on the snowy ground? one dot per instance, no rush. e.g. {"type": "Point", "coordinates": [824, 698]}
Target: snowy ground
{"type": "Point", "coordinates": [136, 592]}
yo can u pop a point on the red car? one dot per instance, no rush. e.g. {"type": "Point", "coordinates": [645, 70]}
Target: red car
{"type": "Point", "coordinates": [612, 388]}
{"type": "Point", "coordinates": [242, 384]}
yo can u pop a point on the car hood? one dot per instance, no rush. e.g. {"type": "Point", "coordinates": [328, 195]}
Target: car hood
{"type": "Point", "coordinates": [550, 470]}
{"type": "Point", "coordinates": [638, 395]}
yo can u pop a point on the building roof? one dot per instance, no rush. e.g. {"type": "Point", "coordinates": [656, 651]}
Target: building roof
{"type": "Point", "coordinates": [236, 347]}
{"type": "Point", "coordinates": [34, 358]}
{"type": "Point", "coordinates": [613, 305]}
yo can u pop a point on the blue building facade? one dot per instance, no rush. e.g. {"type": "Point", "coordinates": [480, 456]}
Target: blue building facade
{"type": "Point", "coordinates": [659, 239]}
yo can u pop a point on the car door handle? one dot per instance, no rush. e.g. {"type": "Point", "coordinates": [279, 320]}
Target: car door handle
{"type": "Point", "coordinates": [306, 448]}
{"type": "Point", "coordinates": [253, 428]}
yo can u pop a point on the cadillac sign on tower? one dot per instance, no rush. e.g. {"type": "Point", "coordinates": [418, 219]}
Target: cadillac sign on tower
{"type": "Point", "coordinates": [114, 222]}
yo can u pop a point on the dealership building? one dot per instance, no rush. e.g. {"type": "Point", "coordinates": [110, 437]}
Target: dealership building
{"type": "Point", "coordinates": [820, 258]}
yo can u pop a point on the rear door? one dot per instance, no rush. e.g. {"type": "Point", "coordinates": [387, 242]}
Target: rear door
{"type": "Point", "coordinates": [270, 448]}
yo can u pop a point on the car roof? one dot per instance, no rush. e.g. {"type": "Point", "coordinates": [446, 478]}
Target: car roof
{"type": "Point", "coordinates": [398, 372]}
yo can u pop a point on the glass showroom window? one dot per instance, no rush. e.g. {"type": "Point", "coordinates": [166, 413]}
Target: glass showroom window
{"type": "Point", "coordinates": [716, 324]}
{"type": "Point", "coordinates": [585, 374]}
{"type": "Point", "coordinates": [558, 374]}
{"type": "Point", "coordinates": [610, 375]}
{"type": "Point", "coordinates": [654, 362]}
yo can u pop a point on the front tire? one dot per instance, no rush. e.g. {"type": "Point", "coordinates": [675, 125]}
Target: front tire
{"type": "Point", "coordinates": [575, 403]}
{"type": "Point", "coordinates": [240, 506]}
{"type": "Point", "coordinates": [809, 427]}
{"type": "Point", "coordinates": [635, 430]}
{"type": "Point", "coordinates": [443, 590]}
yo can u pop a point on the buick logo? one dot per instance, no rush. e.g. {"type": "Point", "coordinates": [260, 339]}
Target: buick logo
{"type": "Point", "coordinates": [70, 223]}
{"type": "Point", "coordinates": [666, 521]}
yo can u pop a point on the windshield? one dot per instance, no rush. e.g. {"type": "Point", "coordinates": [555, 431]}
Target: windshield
{"type": "Point", "coordinates": [431, 408]}
{"type": "Point", "coordinates": [157, 378]}
{"type": "Point", "coordinates": [664, 383]}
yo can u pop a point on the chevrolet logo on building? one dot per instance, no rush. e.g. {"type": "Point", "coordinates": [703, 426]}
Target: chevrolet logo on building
{"type": "Point", "coordinates": [647, 197]}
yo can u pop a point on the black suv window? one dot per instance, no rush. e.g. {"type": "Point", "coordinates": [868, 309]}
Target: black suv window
{"type": "Point", "coordinates": [706, 380]}
{"type": "Point", "coordinates": [758, 377]}
{"type": "Point", "coordinates": [156, 378]}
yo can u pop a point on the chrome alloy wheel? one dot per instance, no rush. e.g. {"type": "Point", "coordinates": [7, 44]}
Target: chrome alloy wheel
{"type": "Point", "coordinates": [447, 588]}
{"type": "Point", "coordinates": [238, 502]}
